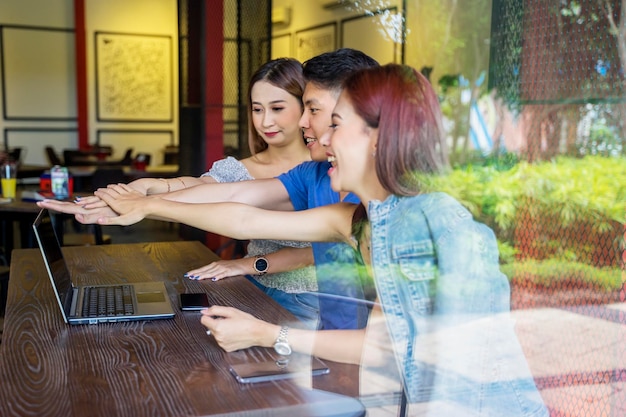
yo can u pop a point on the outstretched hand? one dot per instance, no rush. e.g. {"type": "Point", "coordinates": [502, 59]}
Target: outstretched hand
{"type": "Point", "coordinates": [92, 201]}
{"type": "Point", "coordinates": [83, 215]}
{"type": "Point", "coordinates": [234, 329]}
{"type": "Point", "coordinates": [125, 201]}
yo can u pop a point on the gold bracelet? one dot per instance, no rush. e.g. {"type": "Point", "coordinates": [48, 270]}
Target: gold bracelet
{"type": "Point", "coordinates": [167, 182]}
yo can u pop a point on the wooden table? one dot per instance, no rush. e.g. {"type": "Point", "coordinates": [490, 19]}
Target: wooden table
{"type": "Point", "coordinates": [146, 368]}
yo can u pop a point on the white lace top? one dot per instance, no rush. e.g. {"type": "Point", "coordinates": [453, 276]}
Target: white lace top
{"type": "Point", "coordinates": [295, 281]}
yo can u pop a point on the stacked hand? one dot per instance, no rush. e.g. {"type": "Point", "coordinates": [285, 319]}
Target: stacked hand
{"type": "Point", "coordinates": [115, 204]}
{"type": "Point", "coordinates": [125, 201]}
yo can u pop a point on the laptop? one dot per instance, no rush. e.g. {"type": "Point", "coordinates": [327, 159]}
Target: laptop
{"type": "Point", "coordinates": [92, 304]}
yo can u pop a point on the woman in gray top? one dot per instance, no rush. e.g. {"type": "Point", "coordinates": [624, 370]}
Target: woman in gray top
{"type": "Point", "coordinates": [283, 269]}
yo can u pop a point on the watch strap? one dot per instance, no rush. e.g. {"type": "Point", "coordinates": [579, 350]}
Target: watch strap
{"type": "Point", "coordinates": [281, 346]}
{"type": "Point", "coordinates": [282, 335]}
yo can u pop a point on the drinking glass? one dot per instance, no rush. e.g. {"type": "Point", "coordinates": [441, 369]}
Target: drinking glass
{"type": "Point", "coordinates": [8, 179]}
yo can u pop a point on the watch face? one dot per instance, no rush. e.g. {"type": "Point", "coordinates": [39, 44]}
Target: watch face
{"type": "Point", "coordinates": [260, 265]}
{"type": "Point", "coordinates": [282, 348]}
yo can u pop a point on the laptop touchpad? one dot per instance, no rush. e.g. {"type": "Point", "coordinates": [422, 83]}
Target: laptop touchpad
{"type": "Point", "coordinates": [150, 297]}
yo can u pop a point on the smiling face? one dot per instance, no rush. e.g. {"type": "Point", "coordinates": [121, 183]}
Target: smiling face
{"type": "Point", "coordinates": [318, 107]}
{"type": "Point", "coordinates": [350, 148]}
{"type": "Point", "coordinates": [275, 113]}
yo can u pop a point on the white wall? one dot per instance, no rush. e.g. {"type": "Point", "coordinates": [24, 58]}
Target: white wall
{"type": "Point", "coordinates": [48, 116]}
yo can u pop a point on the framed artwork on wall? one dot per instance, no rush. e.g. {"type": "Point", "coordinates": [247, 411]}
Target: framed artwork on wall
{"type": "Point", "coordinates": [379, 35]}
{"type": "Point", "coordinates": [38, 73]}
{"type": "Point", "coordinates": [315, 40]}
{"type": "Point", "coordinates": [133, 77]}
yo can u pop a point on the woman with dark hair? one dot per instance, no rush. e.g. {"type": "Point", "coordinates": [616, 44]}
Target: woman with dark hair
{"type": "Point", "coordinates": [285, 74]}
{"type": "Point", "coordinates": [281, 268]}
{"type": "Point", "coordinates": [440, 292]}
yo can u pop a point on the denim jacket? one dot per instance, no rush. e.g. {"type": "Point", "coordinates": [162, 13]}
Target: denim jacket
{"type": "Point", "coordinates": [446, 305]}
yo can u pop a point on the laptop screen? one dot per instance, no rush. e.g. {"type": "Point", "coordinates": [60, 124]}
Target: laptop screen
{"type": "Point", "coordinates": [53, 257]}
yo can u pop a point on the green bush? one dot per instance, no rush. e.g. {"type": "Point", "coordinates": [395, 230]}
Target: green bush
{"type": "Point", "coordinates": [552, 271]}
{"type": "Point", "coordinates": [590, 189]}
{"type": "Point", "coordinates": [567, 214]}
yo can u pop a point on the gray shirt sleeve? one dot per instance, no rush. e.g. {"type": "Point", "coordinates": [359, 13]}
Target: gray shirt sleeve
{"type": "Point", "coordinates": [228, 170]}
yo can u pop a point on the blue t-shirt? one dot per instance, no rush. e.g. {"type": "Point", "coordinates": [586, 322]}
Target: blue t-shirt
{"type": "Point", "coordinates": [338, 279]}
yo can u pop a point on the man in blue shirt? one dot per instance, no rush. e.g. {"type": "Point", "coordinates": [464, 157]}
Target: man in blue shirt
{"type": "Point", "coordinates": [308, 186]}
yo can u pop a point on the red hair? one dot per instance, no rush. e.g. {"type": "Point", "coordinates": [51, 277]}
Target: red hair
{"type": "Point", "coordinates": [402, 104]}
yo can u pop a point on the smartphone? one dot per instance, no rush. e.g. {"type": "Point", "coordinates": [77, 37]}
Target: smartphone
{"type": "Point", "coordinates": [273, 370]}
{"type": "Point", "coordinates": [194, 301]}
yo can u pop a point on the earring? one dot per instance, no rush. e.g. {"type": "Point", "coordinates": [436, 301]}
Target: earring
{"type": "Point", "coordinates": [374, 153]}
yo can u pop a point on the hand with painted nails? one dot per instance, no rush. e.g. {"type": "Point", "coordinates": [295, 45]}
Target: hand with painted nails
{"type": "Point", "coordinates": [222, 269]}
{"type": "Point", "coordinates": [140, 188]}
{"type": "Point", "coordinates": [90, 202]}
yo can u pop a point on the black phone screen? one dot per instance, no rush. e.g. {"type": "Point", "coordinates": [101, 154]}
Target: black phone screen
{"type": "Point", "coordinates": [194, 301]}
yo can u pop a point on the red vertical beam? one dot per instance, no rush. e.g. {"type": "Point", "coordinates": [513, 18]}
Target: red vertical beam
{"type": "Point", "coordinates": [213, 91]}
{"type": "Point", "coordinates": [213, 57]}
{"type": "Point", "coordinates": [81, 73]}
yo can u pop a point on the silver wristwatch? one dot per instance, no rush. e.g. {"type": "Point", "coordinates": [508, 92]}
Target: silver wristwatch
{"type": "Point", "coordinates": [281, 346]}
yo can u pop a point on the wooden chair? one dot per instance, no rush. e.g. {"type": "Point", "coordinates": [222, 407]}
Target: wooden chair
{"type": "Point", "coordinates": [15, 154]}
{"type": "Point", "coordinates": [75, 158]}
{"type": "Point", "coordinates": [126, 161]}
{"type": "Point", "coordinates": [53, 157]}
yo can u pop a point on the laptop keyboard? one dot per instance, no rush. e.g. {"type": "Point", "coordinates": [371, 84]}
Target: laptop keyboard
{"type": "Point", "coordinates": [116, 300]}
